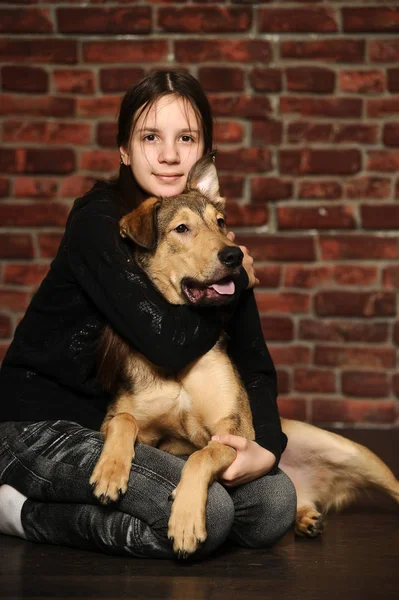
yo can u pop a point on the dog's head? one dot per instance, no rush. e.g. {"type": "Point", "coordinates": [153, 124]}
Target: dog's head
{"type": "Point", "coordinates": [181, 241]}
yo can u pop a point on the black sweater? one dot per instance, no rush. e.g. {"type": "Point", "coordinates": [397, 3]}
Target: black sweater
{"type": "Point", "coordinates": [49, 371]}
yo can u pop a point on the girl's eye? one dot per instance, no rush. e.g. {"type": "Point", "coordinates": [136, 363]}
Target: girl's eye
{"type": "Point", "coordinates": [150, 137]}
{"type": "Point", "coordinates": [221, 222]}
{"type": "Point", "coordinates": [187, 138]}
{"type": "Point", "coordinates": [181, 228]}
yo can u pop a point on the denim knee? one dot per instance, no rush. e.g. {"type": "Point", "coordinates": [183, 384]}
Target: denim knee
{"type": "Point", "coordinates": [219, 519]}
{"type": "Point", "coordinates": [268, 515]}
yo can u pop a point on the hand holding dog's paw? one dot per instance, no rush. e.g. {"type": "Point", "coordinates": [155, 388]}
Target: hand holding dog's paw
{"type": "Point", "coordinates": [109, 479]}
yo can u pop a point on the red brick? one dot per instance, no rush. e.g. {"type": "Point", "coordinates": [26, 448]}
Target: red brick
{"type": "Point", "coordinates": [74, 81]}
{"type": "Point", "coordinates": [301, 20]}
{"type": "Point", "coordinates": [279, 248]}
{"type": "Point", "coordinates": [353, 411]}
{"type": "Point", "coordinates": [283, 381]}
{"type": "Point", "coordinates": [391, 134]}
{"type": "Point", "coordinates": [390, 277]}
{"type": "Point", "coordinates": [38, 50]}
{"type": "Point", "coordinates": [383, 160]}
{"type": "Point", "coordinates": [328, 190]}
{"type": "Point", "coordinates": [342, 331]}
{"type": "Point", "coordinates": [106, 134]}
{"type": "Point", "coordinates": [395, 384]}
{"type": "Point", "coordinates": [310, 79]}
{"type": "Point", "coordinates": [384, 50]}
{"type": "Point", "coordinates": [243, 215]}
{"type": "Point", "coordinates": [39, 214]}
{"type": "Point", "coordinates": [104, 20]}
{"type": "Point", "coordinates": [34, 160]}
{"type": "Point", "coordinates": [35, 187]}
{"type": "Point", "coordinates": [107, 106]}
{"type": "Point", "coordinates": [362, 82]}
{"type": "Point", "coordinates": [307, 131]}
{"type": "Point", "coordinates": [25, 274]}
{"type": "Point", "coordinates": [267, 131]}
{"type": "Point", "coordinates": [290, 354]}
{"type": "Point", "coordinates": [292, 408]}
{"type": "Point", "coordinates": [14, 300]}
{"type": "Point", "coordinates": [4, 187]}
{"type": "Point", "coordinates": [326, 50]}
{"type": "Point", "coordinates": [277, 329]}
{"type": "Point", "coordinates": [320, 162]}
{"type": "Point", "coordinates": [380, 107]}
{"type": "Point", "coordinates": [221, 79]}
{"type": "Point", "coordinates": [265, 189]}
{"type": "Point", "coordinates": [47, 132]}
{"type": "Point", "coordinates": [48, 244]}
{"type": "Point", "coordinates": [355, 356]}
{"type": "Point", "coordinates": [363, 383]}
{"type": "Point", "coordinates": [283, 302]}
{"type": "Point", "coordinates": [355, 275]}
{"type": "Point", "coordinates": [240, 106]}
{"type": "Point", "coordinates": [76, 185]}
{"type": "Point", "coordinates": [355, 304]}
{"type": "Point", "coordinates": [25, 20]}
{"type": "Point", "coordinates": [361, 134]}
{"type": "Point", "coordinates": [382, 18]}
{"type": "Point", "coordinates": [307, 277]}
{"type": "Point", "coordinates": [226, 50]}
{"type": "Point", "coordinates": [38, 106]}
{"type": "Point", "coordinates": [314, 380]}
{"type": "Point", "coordinates": [125, 51]}
{"type": "Point", "coordinates": [99, 160]}
{"type": "Point", "coordinates": [229, 132]}
{"type": "Point", "coordinates": [321, 107]}
{"type": "Point", "coordinates": [5, 326]}
{"type": "Point", "coordinates": [396, 333]}
{"type": "Point", "coordinates": [358, 247]}
{"type": "Point", "coordinates": [248, 160]}
{"type": "Point", "coordinates": [24, 79]}
{"type": "Point", "coordinates": [266, 80]}
{"type": "Point", "coordinates": [269, 275]}
{"type": "Point", "coordinates": [119, 79]}
{"type": "Point", "coordinates": [319, 217]}
{"type": "Point", "coordinates": [231, 186]}
{"type": "Point", "coordinates": [383, 216]}
{"type": "Point", "coordinates": [393, 80]}
{"type": "Point", "coordinates": [15, 245]}
{"type": "Point", "coordinates": [209, 19]}
{"type": "Point", "coordinates": [368, 187]}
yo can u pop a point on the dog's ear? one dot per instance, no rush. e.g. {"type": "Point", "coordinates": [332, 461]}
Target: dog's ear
{"type": "Point", "coordinates": [203, 177]}
{"type": "Point", "coordinates": [140, 225]}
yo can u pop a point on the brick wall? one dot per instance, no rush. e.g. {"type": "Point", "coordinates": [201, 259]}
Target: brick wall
{"type": "Point", "coordinates": [306, 96]}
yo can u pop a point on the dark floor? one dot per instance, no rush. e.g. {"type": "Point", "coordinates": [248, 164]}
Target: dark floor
{"type": "Point", "coordinates": [357, 558]}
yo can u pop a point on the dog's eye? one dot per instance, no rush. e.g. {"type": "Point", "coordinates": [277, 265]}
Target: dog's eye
{"type": "Point", "coordinates": [181, 228]}
{"type": "Point", "coordinates": [221, 222]}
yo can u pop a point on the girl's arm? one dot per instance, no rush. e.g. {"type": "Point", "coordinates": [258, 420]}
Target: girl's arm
{"type": "Point", "coordinates": [249, 353]}
{"type": "Point", "coordinates": [170, 336]}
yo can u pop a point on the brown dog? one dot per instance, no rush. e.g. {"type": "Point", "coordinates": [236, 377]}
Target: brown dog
{"type": "Point", "coordinates": [181, 244]}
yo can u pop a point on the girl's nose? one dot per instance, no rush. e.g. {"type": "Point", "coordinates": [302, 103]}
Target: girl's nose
{"type": "Point", "coordinates": [169, 153]}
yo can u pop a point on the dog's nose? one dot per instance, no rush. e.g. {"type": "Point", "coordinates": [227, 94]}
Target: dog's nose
{"type": "Point", "coordinates": [231, 256]}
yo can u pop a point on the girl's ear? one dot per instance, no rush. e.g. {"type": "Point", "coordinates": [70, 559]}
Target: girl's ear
{"type": "Point", "coordinates": [124, 155]}
{"type": "Point", "coordinates": [140, 225]}
{"type": "Point", "coordinates": [203, 177]}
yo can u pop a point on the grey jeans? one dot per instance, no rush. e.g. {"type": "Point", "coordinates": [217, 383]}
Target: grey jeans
{"type": "Point", "coordinates": [51, 462]}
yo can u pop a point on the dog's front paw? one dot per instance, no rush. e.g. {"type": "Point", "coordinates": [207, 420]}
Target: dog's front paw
{"type": "Point", "coordinates": [110, 479]}
{"type": "Point", "coordinates": [309, 522]}
{"type": "Point", "coordinates": [186, 524]}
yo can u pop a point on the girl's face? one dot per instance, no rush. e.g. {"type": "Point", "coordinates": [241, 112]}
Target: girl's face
{"type": "Point", "coordinates": [167, 140]}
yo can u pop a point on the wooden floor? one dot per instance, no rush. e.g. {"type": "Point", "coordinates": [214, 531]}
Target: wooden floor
{"type": "Point", "coordinates": [357, 558]}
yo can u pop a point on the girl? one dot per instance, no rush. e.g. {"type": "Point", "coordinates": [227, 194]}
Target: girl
{"type": "Point", "coordinates": [52, 404]}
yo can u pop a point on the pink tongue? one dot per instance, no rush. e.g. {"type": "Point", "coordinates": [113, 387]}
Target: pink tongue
{"type": "Point", "coordinates": [224, 288]}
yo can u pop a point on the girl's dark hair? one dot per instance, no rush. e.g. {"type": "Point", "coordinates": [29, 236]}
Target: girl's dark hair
{"type": "Point", "coordinates": [140, 98]}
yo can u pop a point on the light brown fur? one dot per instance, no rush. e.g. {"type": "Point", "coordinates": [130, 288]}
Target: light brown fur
{"type": "Point", "coordinates": [179, 414]}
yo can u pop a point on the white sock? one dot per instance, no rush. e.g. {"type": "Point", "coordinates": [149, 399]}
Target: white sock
{"type": "Point", "coordinates": [11, 502]}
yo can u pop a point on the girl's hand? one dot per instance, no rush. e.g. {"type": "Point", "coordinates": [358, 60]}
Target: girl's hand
{"type": "Point", "coordinates": [247, 263]}
{"type": "Point", "coordinates": [252, 460]}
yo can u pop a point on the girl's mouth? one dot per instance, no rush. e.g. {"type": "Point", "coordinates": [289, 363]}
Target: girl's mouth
{"type": "Point", "coordinates": [165, 178]}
